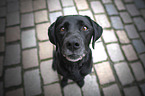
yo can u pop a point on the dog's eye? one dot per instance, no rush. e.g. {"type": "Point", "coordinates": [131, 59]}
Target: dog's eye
{"type": "Point", "coordinates": [62, 29]}
{"type": "Point", "coordinates": [84, 28]}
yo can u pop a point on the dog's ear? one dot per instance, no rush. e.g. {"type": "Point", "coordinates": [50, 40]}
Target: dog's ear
{"type": "Point", "coordinates": [97, 31]}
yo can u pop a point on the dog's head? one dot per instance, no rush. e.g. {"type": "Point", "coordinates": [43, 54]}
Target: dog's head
{"type": "Point", "coordinates": [72, 35]}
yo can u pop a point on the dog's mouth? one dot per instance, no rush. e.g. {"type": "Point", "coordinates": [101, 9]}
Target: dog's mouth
{"type": "Point", "coordinates": [74, 58]}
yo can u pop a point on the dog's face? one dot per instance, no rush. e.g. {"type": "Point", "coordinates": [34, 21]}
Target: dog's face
{"type": "Point", "coordinates": [72, 35]}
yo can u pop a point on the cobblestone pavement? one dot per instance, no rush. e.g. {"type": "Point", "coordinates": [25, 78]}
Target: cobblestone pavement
{"type": "Point", "coordinates": [26, 52]}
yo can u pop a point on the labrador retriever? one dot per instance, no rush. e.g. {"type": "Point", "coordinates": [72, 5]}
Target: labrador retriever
{"type": "Point", "coordinates": [72, 35]}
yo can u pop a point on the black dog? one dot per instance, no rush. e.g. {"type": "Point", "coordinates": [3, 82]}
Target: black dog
{"type": "Point", "coordinates": [72, 35]}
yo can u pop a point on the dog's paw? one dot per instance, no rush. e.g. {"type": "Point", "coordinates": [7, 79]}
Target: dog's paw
{"type": "Point", "coordinates": [80, 83]}
{"type": "Point", "coordinates": [63, 82]}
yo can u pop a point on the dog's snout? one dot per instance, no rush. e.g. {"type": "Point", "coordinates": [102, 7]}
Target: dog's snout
{"type": "Point", "coordinates": [73, 45]}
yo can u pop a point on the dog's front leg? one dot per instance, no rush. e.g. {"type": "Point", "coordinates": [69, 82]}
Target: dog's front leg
{"type": "Point", "coordinates": [80, 83]}
{"type": "Point", "coordinates": [64, 82]}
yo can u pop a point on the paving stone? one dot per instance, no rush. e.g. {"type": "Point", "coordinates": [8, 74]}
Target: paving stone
{"type": "Point", "coordinates": [139, 23]}
{"type": "Point", "coordinates": [86, 13]}
{"type": "Point", "coordinates": [143, 88]}
{"type": "Point", "coordinates": [13, 6]}
{"type": "Point", "coordinates": [111, 9]}
{"type": "Point", "coordinates": [26, 6]}
{"type": "Point", "coordinates": [143, 35]}
{"type": "Point", "coordinates": [12, 55]}
{"type": "Point", "coordinates": [132, 91]}
{"type": "Point", "coordinates": [115, 52]}
{"type": "Point", "coordinates": [48, 74]}
{"type": "Point", "coordinates": [2, 25]}
{"type": "Point", "coordinates": [49, 90]}
{"type": "Point", "coordinates": [51, 6]}
{"type": "Point", "coordinates": [125, 17]}
{"type": "Point", "coordinates": [132, 9]}
{"type": "Point", "coordinates": [91, 87]}
{"type": "Point", "coordinates": [104, 73]}
{"type": "Point", "coordinates": [66, 3]}
{"type": "Point", "coordinates": [129, 52]}
{"type": "Point", "coordinates": [131, 31]}
{"type": "Point", "coordinates": [13, 77]}
{"type": "Point", "coordinates": [12, 34]}
{"type": "Point", "coordinates": [32, 83]}
{"type": "Point", "coordinates": [120, 5]}
{"type": "Point", "coordinates": [72, 90]}
{"type": "Point", "coordinates": [112, 90]}
{"type": "Point", "coordinates": [109, 36]}
{"type": "Point", "coordinates": [128, 1]}
{"type": "Point", "coordinates": [3, 2]}
{"type": "Point", "coordinates": [122, 36]}
{"type": "Point", "coordinates": [1, 89]}
{"type": "Point", "coordinates": [45, 50]}
{"type": "Point", "coordinates": [70, 11]}
{"type": "Point", "coordinates": [143, 12]}
{"type": "Point", "coordinates": [13, 18]}
{"type": "Point", "coordinates": [97, 7]}
{"type": "Point", "coordinates": [107, 1]}
{"type": "Point", "coordinates": [138, 71]}
{"type": "Point", "coordinates": [27, 36]}
{"type": "Point", "coordinates": [39, 4]}
{"type": "Point", "coordinates": [30, 58]}
{"type": "Point", "coordinates": [116, 22]}
{"type": "Point", "coordinates": [2, 43]}
{"type": "Point", "coordinates": [1, 66]}
{"type": "Point", "coordinates": [53, 16]}
{"type": "Point", "coordinates": [139, 3]}
{"type": "Point", "coordinates": [139, 46]}
{"type": "Point", "coordinates": [2, 11]}
{"type": "Point", "coordinates": [10, 1]}
{"type": "Point", "coordinates": [102, 20]}
{"type": "Point", "coordinates": [99, 49]}
{"type": "Point", "coordinates": [81, 4]}
{"type": "Point", "coordinates": [27, 20]}
{"type": "Point", "coordinates": [142, 56]}
{"type": "Point", "coordinates": [41, 16]}
{"type": "Point", "coordinates": [124, 73]}
{"type": "Point", "coordinates": [42, 31]}
{"type": "Point", "coordinates": [16, 92]}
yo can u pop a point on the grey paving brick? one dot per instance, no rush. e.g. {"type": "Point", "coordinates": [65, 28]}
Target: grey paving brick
{"type": "Point", "coordinates": [27, 20]}
{"type": "Point", "coordinates": [70, 11]}
{"type": "Point", "coordinates": [9, 1]}
{"type": "Point", "coordinates": [13, 18]}
{"type": "Point", "coordinates": [27, 36]}
{"type": "Point", "coordinates": [115, 52]}
{"type": "Point", "coordinates": [143, 88]}
{"type": "Point", "coordinates": [51, 6]}
{"type": "Point", "coordinates": [1, 89]}
{"type": "Point", "coordinates": [1, 65]}
{"type": "Point", "coordinates": [12, 55]}
{"type": "Point", "coordinates": [99, 49]}
{"type": "Point", "coordinates": [142, 56]}
{"type": "Point", "coordinates": [97, 7]}
{"type": "Point", "coordinates": [128, 1]}
{"type": "Point", "coordinates": [30, 58]}
{"type": "Point", "coordinates": [13, 6]}
{"type": "Point", "coordinates": [139, 3]}
{"type": "Point", "coordinates": [139, 22]}
{"type": "Point", "coordinates": [13, 77]}
{"type": "Point", "coordinates": [143, 12]}
{"type": "Point", "coordinates": [107, 1]}
{"type": "Point", "coordinates": [139, 46]}
{"type": "Point", "coordinates": [138, 71]}
{"type": "Point", "coordinates": [143, 35]}
{"type": "Point", "coordinates": [109, 36]}
{"type": "Point", "coordinates": [32, 83]}
{"type": "Point", "coordinates": [122, 36]}
{"type": "Point", "coordinates": [124, 73]}
{"type": "Point", "coordinates": [112, 90]}
{"type": "Point", "coordinates": [2, 25]}
{"type": "Point", "coordinates": [116, 22]}
{"type": "Point", "coordinates": [111, 9]}
{"type": "Point", "coordinates": [3, 2]}
{"type": "Point", "coordinates": [66, 3]}
{"type": "Point", "coordinates": [131, 31]}
{"type": "Point", "coordinates": [26, 6]}
{"type": "Point", "coordinates": [53, 16]}
{"type": "Point", "coordinates": [48, 75]}
{"type": "Point", "coordinates": [2, 11]}
{"type": "Point", "coordinates": [87, 13]}
{"type": "Point", "coordinates": [129, 52]}
{"type": "Point", "coordinates": [12, 34]}
{"type": "Point", "coordinates": [72, 90]}
{"type": "Point", "coordinates": [91, 87]}
{"type": "Point", "coordinates": [17, 92]}
{"type": "Point", "coordinates": [104, 73]}
{"type": "Point", "coordinates": [120, 5]}
{"type": "Point", "coordinates": [81, 4]}
{"type": "Point", "coordinates": [125, 17]}
{"type": "Point", "coordinates": [52, 90]}
{"type": "Point", "coordinates": [2, 42]}
{"type": "Point", "coordinates": [39, 4]}
{"type": "Point", "coordinates": [132, 91]}
{"type": "Point", "coordinates": [41, 16]}
{"type": "Point", "coordinates": [42, 31]}
{"type": "Point", "coordinates": [102, 20]}
{"type": "Point", "coordinates": [132, 9]}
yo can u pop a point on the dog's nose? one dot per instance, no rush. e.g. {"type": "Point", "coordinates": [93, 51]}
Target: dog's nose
{"type": "Point", "coordinates": [73, 45]}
